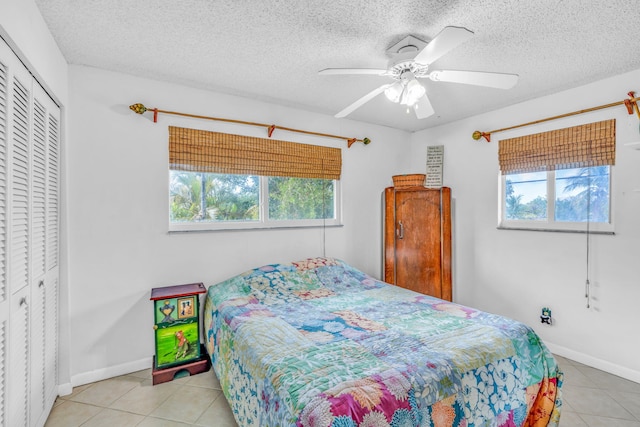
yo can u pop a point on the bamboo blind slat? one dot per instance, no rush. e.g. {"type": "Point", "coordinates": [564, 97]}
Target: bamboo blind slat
{"type": "Point", "coordinates": [215, 152]}
{"type": "Point", "coordinates": [592, 144]}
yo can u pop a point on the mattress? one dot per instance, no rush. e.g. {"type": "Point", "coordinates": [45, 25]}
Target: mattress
{"type": "Point", "coordinates": [320, 343]}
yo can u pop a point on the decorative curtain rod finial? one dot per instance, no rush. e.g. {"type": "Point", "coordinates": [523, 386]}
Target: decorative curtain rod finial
{"type": "Point", "coordinates": [477, 135]}
{"type": "Point", "coordinates": [138, 108]}
{"type": "Point", "coordinates": [141, 109]}
{"type": "Point", "coordinates": [351, 141]}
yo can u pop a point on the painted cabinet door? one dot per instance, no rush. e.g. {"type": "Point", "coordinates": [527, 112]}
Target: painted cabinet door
{"type": "Point", "coordinates": [418, 240]}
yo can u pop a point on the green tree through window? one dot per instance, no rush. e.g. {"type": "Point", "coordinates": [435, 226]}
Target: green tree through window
{"type": "Point", "coordinates": [589, 194]}
{"type": "Point", "coordinates": [576, 195]}
{"type": "Point", "coordinates": [300, 198]}
{"type": "Point", "coordinates": [225, 197]}
{"type": "Point", "coordinates": [196, 197]}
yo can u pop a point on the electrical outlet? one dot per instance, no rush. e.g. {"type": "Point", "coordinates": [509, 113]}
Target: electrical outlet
{"type": "Point", "coordinates": [545, 317]}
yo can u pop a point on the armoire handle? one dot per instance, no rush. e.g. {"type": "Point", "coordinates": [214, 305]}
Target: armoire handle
{"type": "Point", "coordinates": [400, 230]}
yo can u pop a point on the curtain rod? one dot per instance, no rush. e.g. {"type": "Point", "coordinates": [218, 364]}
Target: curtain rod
{"type": "Point", "coordinates": [631, 103]}
{"type": "Point", "coordinates": [141, 109]}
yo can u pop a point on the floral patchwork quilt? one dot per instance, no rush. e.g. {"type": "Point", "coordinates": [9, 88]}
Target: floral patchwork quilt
{"type": "Point", "coordinates": [317, 343]}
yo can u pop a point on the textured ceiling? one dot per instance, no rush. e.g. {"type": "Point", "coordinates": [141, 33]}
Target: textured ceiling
{"type": "Point", "coordinates": [272, 50]}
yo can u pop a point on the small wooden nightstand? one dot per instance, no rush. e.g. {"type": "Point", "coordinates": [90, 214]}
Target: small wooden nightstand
{"type": "Point", "coordinates": [177, 332]}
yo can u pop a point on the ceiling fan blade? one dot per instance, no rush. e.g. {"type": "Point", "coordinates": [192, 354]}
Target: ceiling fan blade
{"type": "Point", "coordinates": [478, 78]}
{"type": "Point", "coordinates": [372, 71]}
{"type": "Point", "coordinates": [448, 39]}
{"type": "Point", "coordinates": [368, 97]}
{"type": "Point", "coordinates": [423, 108]}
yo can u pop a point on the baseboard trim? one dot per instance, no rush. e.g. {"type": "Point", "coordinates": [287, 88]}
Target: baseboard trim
{"type": "Point", "coordinates": [65, 389]}
{"type": "Point", "coordinates": [594, 362]}
{"type": "Point", "coordinates": [110, 372]}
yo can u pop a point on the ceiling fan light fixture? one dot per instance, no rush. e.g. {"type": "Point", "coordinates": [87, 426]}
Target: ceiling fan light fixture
{"type": "Point", "coordinates": [394, 92]}
{"type": "Point", "coordinates": [413, 91]}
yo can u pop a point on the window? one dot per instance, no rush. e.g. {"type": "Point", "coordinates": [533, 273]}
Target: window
{"type": "Point", "coordinates": [564, 199]}
{"type": "Point", "coordinates": [273, 184]}
{"type": "Point", "coordinates": [558, 180]}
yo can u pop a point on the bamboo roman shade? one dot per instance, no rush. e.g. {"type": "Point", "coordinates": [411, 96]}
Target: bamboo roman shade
{"type": "Point", "coordinates": [593, 144]}
{"type": "Point", "coordinates": [215, 152]}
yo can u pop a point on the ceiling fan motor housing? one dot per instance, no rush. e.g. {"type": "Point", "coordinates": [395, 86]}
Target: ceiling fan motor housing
{"type": "Point", "coordinates": [402, 55]}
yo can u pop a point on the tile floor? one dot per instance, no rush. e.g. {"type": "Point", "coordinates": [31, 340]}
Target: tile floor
{"type": "Point", "coordinates": [132, 400]}
{"type": "Point", "coordinates": [591, 398]}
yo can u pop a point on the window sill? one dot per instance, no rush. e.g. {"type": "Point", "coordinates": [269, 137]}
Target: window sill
{"type": "Point", "coordinates": [198, 228]}
{"type": "Point", "coordinates": [557, 230]}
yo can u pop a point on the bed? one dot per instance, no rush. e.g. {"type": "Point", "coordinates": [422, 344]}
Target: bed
{"type": "Point", "coordinates": [318, 343]}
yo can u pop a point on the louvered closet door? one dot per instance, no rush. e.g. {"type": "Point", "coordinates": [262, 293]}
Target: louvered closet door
{"type": "Point", "coordinates": [52, 274]}
{"type": "Point", "coordinates": [41, 298]}
{"type": "Point", "coordinates": [4, 287]}
{"type": "Point", "coordinates": [43, 259]}
{"type": "Point", "coordinates": [18, 369]}
{"type": "Point", "coordinates": [18, 114]}
{"type": "Point", "coordinates": [29, 211]}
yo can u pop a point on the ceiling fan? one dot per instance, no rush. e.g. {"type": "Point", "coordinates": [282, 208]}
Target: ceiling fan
{"type": "Point", "coordinates": [410, 60]}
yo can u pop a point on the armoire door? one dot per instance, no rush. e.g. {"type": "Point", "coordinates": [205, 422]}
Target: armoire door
{"type": "Point", "coordinates": [418, 240]}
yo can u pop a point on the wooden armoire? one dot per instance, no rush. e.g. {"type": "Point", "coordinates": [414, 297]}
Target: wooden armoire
{"type": "Point", "coordinates": [417, 239]}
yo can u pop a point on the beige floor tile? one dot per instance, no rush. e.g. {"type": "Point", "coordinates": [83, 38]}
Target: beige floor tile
{"type": "Point", "coordinates": [110, 418]}
{"type": "Point", "coordinates": [159, 422]}
{"type": "Point", "coordinates": [574, 376]}
{"type": "Point", "coordinates": [144, 398]}
{"type": "Point", "coordinates": [187, 404]}
{"type": "Point", "coordinates": [76, 390]}
{"type": "Point", "coordinates": [206, 379]}
{"type": "Point", "coordinates": [596, 421]}
{"type": "Point", "coordinates": [566, 406]}
{"type": "Point", "coordinates": [104, 393]}
{"type": "Point", "coordinates": [571, 419]}
{"type": "Point", "coordinates": [630, 401]}
{"type": "Point", "coordinates": [608, 381]}
{"type": "Point", "coordinates": [71, 414]}
{"type": "Point", "coordinates": [562, 361]}
{"type": "Point", "coordinates": [593, 401]}
{"type": "Point", "coordinates": [182, 380]}
{"type": "Point", "coordinates": [218, 414]}
{"type": "Point", "coordinates": [144, 374]}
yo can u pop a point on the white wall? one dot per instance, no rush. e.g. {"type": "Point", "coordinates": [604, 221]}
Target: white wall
{"type": "Point", "coordinates": [118, 209]}
{"type": "Point", "coordinates": [516, 273]}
